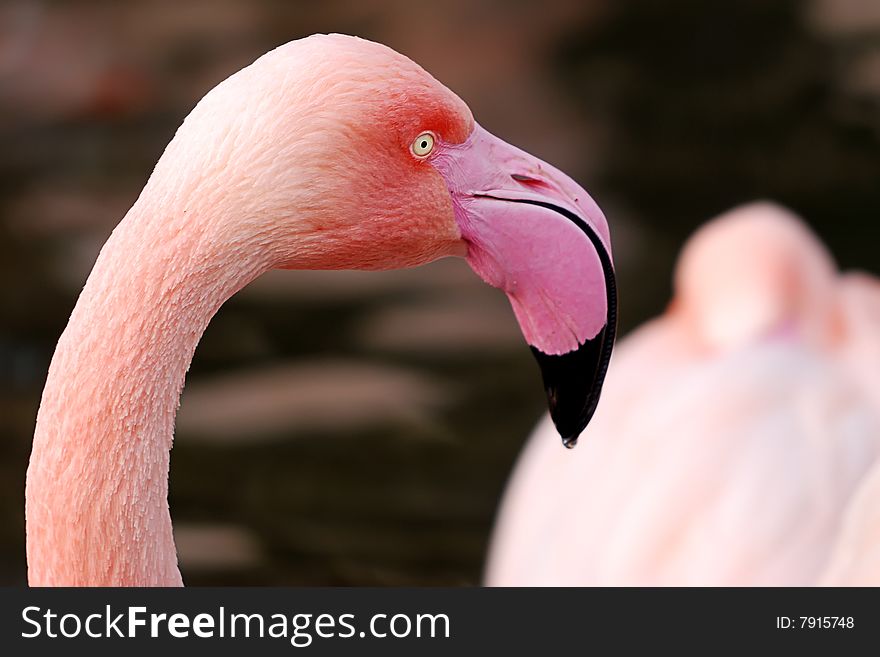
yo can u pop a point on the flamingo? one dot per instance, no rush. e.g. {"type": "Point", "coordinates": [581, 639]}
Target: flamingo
{"type": "Point", "coordinates": [734, 432]}
{"type": "Point", "coordinates": [329, 152]}
{"type": "Point", "coordinates": [855, 557]}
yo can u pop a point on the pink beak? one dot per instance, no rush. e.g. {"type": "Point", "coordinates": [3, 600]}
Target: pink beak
{"type": "Point", "coordinates": [536, 234]}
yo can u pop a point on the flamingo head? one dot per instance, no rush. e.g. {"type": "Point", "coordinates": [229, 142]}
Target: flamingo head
{"type": "Point", "coordinates": [756, 272]}
{"type": "Point", "coordinates": [365, 161]}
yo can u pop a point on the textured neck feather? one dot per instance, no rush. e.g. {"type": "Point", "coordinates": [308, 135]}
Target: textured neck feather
{"type": "Point", "coordinates": [97, 509]}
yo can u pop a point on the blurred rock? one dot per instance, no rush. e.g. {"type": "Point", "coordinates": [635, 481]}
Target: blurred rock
{"type": "Point", "coordinates": [208, 547]}
{"type": "Point", "coordinates": [844, 17]}
{"type": "Point", "coordinates": [864, 76]}
{"type": "Point", "coordinates": [64, 61]}
{"type": "Point", "coordinates": [61, 211]}
{"type": "Point", "coordinates": [320, 396]}
{"type": "Point", "coordinates": [450, 326]}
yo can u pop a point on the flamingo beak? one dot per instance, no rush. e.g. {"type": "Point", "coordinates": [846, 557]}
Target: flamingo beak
{"type": "Point", "coordinates": [536, 234]}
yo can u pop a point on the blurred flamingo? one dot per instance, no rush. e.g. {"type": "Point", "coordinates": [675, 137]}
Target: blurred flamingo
{"type": "Point", "coordinates": [327, 153]}
{"type": "Point", "coordinates": [733, 434]}
{"type": "Point", "coordinates": [855, 559]}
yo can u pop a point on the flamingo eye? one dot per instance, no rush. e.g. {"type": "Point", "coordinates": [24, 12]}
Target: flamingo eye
{"type": "Point", "coordinates": [423, 145]}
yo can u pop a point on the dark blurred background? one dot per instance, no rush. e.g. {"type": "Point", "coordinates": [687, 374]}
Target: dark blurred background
{"type": "Point", "coordinates": [350, 428]}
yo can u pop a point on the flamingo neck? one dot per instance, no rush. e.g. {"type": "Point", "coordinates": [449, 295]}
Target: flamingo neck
{"type": "Point", "coordinates": [97, 485]}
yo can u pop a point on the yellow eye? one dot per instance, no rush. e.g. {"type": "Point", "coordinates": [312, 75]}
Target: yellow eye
{"type": "Point", "coordinates": [423, 144]}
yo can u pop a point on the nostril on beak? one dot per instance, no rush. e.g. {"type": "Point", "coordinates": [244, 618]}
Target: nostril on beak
{"type": "Point", "coordinates": [530, 181]}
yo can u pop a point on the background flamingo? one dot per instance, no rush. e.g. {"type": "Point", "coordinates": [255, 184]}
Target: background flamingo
{"type": "Point", "coordinates": [734, 433]}
{"type": "Point", "coordinates": [855, 558]}
{"type": "Point", "coordinates": [329, 152]}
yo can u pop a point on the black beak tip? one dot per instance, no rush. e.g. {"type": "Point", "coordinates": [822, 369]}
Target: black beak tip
{"type": "Point", "coordinates": [573, 383]}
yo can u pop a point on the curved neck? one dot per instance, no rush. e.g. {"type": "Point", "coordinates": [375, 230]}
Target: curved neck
{"type": "Point", "coordinates": [97, 485]}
